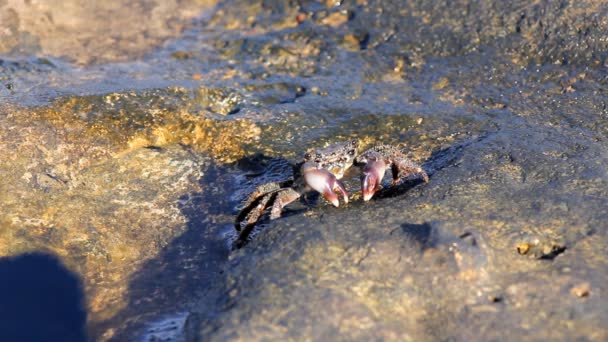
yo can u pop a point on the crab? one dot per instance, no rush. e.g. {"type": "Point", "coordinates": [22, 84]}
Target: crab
{"type": "Point", "coordinates": [321, 171]}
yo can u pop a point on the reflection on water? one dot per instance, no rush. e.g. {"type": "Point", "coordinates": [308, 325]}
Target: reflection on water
{"type": "Point", "coordinates": [169, 328]}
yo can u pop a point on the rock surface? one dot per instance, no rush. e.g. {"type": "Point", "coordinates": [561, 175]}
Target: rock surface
{"type": "Point", "coordinates": [88, 32]}
{"type": "Point", "coordinates": [132, 173]}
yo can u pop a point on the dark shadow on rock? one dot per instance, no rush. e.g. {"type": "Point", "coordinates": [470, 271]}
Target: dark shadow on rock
{"type": "Point", "coordinates": [397, 190]}
{"type": "Point", "coordinates": [433, 234]}
{"type": "Point", "coordinates": [438, 160]}
{"type": "Point", "coordinates": [40, 300]}
{"type": "Point", "coordinates": [187, 273]}
{"type": "Point", "coordinates": [421, 233]}
{"type": "Point", "coordinates": [555, 251]}
{"type": "Point", "coordinates": [466, 249]}
{"type": "Point", "coordinates": [260, 169]}
{"type": "Point", "coordinates": [448, 156]}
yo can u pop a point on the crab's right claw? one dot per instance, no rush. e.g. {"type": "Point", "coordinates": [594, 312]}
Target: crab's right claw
{"type": "Point", "coordinates": [327, 184]}
{"type": "Point", "coordinates": [371, 178]}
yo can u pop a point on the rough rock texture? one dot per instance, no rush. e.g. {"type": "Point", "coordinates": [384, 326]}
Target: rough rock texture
{"type": "Point", "coordinates": [88, 32]}
{"type": "Point", "coordinates": [554, 32]}
{"type": "Point", "coordinates": [105, 182]}
{"type": "Point", "coordinates": [132, 173]}
{"type": "Point", "coordinates": [508, 236]}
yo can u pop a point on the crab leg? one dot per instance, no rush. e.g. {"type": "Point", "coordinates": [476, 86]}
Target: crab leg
{"type": "Point", "coordinates": [252, 216]}
{"type": "Point", "coordinates": [325, 183]}
{"type": "Point", "coordinates": [267, 195]}
{"type": "Point", "coordinates": [403, 167]}
{"type": "Point", "coordinates": [286, 196]}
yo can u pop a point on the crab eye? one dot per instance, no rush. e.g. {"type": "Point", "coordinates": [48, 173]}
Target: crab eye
{"type": "Point", "coordinates": [318, 156]}
{"type": "Point", "coordinates": [351, 153]}
{"type": "Point", "coordinates": [307, 156]}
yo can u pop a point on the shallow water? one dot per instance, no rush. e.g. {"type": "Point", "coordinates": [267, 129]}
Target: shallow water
{"type": "Point", "coordinates": [128, 162]}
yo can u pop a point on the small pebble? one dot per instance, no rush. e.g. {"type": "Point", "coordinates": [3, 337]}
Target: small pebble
{"type": "Point", "coordinates": [523, 248]}
{"type": "Point", "coordinates": [581, 290]}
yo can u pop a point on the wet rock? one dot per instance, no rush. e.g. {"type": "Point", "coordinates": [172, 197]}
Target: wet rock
{"type": "Point", "coordinates": [136, 190]}
{"type": "Point", "coordinates": [276, 93]}
{"type": "Point", "coordinates": [581, 290]}
{"type": "Point", "coordinates": [222, 101]}
{"type": "Point", "coordinates": [181, 55]}
{"type": "Point", "coordinates": [362, 276]}
{"type": "Point", "coordinates": [335, 19]}
{"type": "Point", "coordinates": [101, 182]}
{"type": "Point", "coordinates": [356, 41]}
{"type": "Point", "coordinates": [547, 32]}
{"type": "Point", "coordinates": [523, 248]}
{"type": "Point", "coordinates": [541, 250]}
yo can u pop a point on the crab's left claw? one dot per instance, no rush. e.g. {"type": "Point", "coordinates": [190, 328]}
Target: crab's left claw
{"type": "Point", "coordinates": [325, 183]}
{"type": "Point", "coordinates": [371, 178]}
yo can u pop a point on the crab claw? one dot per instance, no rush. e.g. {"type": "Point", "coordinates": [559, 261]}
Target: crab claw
{"type": "Point", "coordinates": [325, 183]}
{"type": "Point", "coordinates": [372, 175]}
{"type": "Point", "coordinates": [423, 175]}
